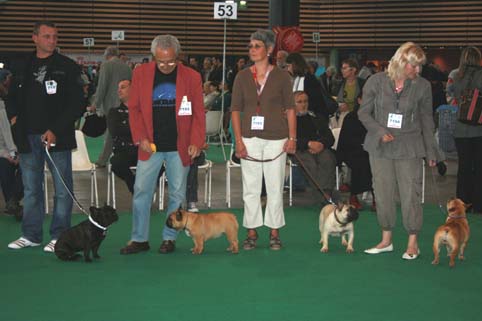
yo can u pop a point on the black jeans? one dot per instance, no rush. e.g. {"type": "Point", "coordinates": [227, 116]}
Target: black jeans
{"type": "Point", "coordinates": [11, 180]}
{"type": "Point", "coordinates": [120, 162]}
{"type": "Point", "coordinates": [192, 184]}
{"type": "Point", "coordinates": [469, 174]}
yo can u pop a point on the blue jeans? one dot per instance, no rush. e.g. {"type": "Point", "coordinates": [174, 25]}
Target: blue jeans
{"type": "Point", "coordinates": [32, 165]}
{"type": "Point", "coordinates": [146, 181]}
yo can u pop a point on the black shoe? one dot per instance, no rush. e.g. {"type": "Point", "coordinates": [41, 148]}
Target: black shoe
{"type": "Point", "coordinates": [442, 168]}
{"type": "Point", "coordinates": [135, 247]}
{"type": "Point", "coordinates": [167, 246]}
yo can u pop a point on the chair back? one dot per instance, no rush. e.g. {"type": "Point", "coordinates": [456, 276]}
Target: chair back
{"type": "Point", "coordinates": [80, 156]}
{"type": "Point", "coordinates": [213, 122]}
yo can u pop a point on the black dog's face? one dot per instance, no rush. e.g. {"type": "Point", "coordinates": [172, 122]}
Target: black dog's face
{"type": "Point", "coordinates": [105, 216]}
{"type": "Point", "coordinates": [352, 214]}
{"type": "Point", "coordinates": [174, 216]}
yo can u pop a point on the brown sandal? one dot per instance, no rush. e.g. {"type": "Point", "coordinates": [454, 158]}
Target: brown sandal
{"type": "Point", "coordinates": [274, 243]}
{"type": "Point", "coordinates": [250, 242]}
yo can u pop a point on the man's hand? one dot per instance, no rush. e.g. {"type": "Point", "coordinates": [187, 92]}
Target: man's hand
{"type": "Point", "coordinates": [193, 151]}
{"type": "Point", "coordinates": [49, 138]}
{"type": "Point", "coordinates": [145, 146]}
{"type": "Point", "coordinates": [315, 147]}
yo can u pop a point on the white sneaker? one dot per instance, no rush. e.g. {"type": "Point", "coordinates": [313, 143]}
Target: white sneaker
{"type": "Point", "coordinates": [21, 243]}
{"type": "Point", "coordinates": [192, 207]}
{"type": "Point", "coordinates": [50, 247]}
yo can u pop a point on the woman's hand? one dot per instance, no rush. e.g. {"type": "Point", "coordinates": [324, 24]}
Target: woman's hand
{"type": "Point", "coordinates": [387, 138]}
{"type": "Point", "coordinates": [241, 151]}
{"type": "Point", "coordinates": [290, 146]}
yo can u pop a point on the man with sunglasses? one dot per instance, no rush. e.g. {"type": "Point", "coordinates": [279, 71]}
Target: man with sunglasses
{"type": "Point", "coordinates": [167, 120]}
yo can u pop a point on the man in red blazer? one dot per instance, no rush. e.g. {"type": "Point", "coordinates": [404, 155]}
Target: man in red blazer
{"type": "Point", "coordinates": [167, 121]}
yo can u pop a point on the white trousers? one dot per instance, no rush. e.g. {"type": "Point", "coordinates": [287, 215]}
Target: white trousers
{"type": "Point", "coordinates": [252, 174]}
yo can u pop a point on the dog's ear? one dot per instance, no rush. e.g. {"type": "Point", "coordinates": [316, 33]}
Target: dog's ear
{"type": "Point", "coordinates": [179, 214]}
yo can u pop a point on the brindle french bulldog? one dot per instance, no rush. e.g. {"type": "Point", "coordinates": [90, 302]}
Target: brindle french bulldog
{"type": "Point", "coordinates": [86, 236]}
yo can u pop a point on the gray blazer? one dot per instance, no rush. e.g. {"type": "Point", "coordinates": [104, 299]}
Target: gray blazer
{"type": "Point", "coordinates": [415, 138]}
{"type": "Point", "coordinates": [6, 141]}
{"type": "Point", "coordinates": [111, 72]}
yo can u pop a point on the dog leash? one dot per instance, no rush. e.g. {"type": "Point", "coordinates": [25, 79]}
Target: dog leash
{"type": "Point", "coordinates": [437, 196]}
{"type": "Point", "coordinates": [262, 160]}
{"type": "Point", "coordinates": [63, 183]}
{"type": "Point", "coordinates": [325, 195]}
{"type": "Point", "coordinates": [76, 201]}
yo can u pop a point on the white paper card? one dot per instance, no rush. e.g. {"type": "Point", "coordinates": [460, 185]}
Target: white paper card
{"type": "Point", "coordinates": [257, 123]}
{"type": "Point", "coordinates": [185, 109]}
{"type": "Point", "coordinates": [394, 120]}
{"type": "Point", "coordinates": [51, 87]}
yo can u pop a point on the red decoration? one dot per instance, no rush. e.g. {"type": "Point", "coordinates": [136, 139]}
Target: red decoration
{"type": "Point", "coordinates": [289, 39]}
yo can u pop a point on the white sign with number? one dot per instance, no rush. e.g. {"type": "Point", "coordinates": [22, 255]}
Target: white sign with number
{"type": "Point", "coordinates": [88, 42]}
{"type": "Point", "coordinates": [223, 10]}
{"type": "Point", "coordinates": [316, 37]}
{"type": "Point", "coordinates": [117, 35]}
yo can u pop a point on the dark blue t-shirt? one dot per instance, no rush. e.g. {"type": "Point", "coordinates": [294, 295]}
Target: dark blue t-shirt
{"type": "Point", "coordinates": [164, 111]}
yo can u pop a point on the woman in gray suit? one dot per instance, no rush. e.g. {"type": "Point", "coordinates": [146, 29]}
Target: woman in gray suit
{"type": "Point", "coordinates": [397, 113]}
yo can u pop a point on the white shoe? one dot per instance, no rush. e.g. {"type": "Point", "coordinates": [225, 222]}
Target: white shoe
{"type": "Point", "coordinates": [407, 256]}
{"type": "Point", "coordinates": [50, 247]}
{"type": "Point", "coordinates": [21, 243]}
{"type": "Point", "coordinates": [192, 207]}
{"type": "Point", "coordinates": [375, 250]}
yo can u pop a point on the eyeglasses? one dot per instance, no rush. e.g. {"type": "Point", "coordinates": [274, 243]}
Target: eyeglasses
{"type": "Point", "coordinates": [166, 63]}
{"type": "Point", "coordinates": [256, 46]}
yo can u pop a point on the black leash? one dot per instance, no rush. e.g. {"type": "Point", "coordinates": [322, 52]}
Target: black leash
{"type": "Point", "coordinates": [325, 195]}
{"type": "Point", "coordinates": [437, 196]}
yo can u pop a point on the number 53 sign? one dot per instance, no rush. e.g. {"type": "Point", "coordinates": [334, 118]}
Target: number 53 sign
{"type": "Point", "coordinates": [224, 10]}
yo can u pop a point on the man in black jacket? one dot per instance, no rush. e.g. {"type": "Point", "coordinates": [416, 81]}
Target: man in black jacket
{"type": "Point", "coordinates": [125, 151]}
{"type": "Point", "coordinates": [48, 103]}
{"type": "Point", "coordinates": [314, 143]}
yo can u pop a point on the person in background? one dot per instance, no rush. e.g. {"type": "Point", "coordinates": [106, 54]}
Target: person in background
{"type": "Point", "coordinates": [350, 151]}
{"type": "Point", "coordinates": [329, 82]}
{"type": "Point", "coordinates": [211, 91]}
{"type": "Point", "coordinates": [264, 133]}
{"type": "Point", "coordinates": [124, 154]}
{"type": "Point", "coordinates": [168, 123]}
{"type": "Point", "coordinates": [281, 56]}
{"type": "Point", "coordinates": [350, 90]}
{"type": "Point", "coordinates": [468, 138]}
{"type": "Point", "coordinates": [49, 101]}
{"type": "Point", "coordinates": [112, 71]}
{"type": "Point", "coordinates": [10, 174]}
{"type": "Point", "coordinates": [313, 147]}
{"type": "Point", "coordinates": [397, 112]}
{"type": "Point", "coordinates": [304, 81]}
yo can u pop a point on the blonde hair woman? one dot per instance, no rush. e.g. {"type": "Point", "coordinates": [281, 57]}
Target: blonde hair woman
{"type": "Point", "coordinates": [397, 113]}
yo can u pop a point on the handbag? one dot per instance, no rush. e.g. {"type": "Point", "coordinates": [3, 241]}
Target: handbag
{"type": "Point", "coordinates": [470, 104]}
{"type": "Point", "coordinates": [94, 125]}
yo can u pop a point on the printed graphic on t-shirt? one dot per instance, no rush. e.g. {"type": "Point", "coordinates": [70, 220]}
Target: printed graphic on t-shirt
{"type": "Point", "coordinates": [164, 95]}
{"type": "Point", "coordinates": [39, 75]}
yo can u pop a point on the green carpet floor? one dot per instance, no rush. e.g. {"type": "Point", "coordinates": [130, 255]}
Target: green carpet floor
{"type": "Point", "coordinates": [297, 283]}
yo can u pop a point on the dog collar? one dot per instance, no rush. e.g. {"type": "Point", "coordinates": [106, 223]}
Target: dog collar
{"type": "Point", "coordinates": [456, 216]}
{"type": "Point", "coordinates": [337, 219]}
{"type": "Point", "coordinates": [97, 224]}
{"type": "Point", "coordinates": [186, 230]}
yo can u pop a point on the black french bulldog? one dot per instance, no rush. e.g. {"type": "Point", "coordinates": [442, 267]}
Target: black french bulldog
{"type": "Point", "coordinates": [85, 236]}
